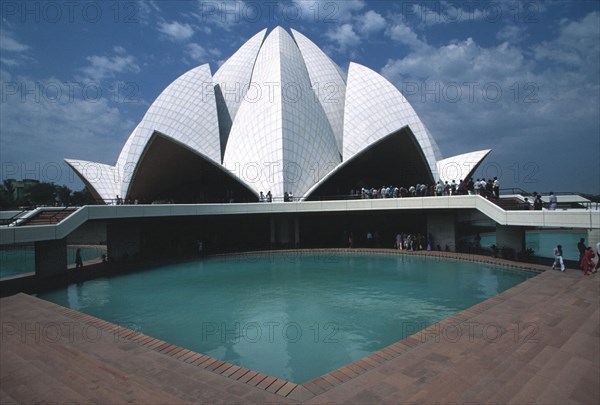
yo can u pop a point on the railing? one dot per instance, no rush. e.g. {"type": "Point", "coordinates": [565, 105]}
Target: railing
{"type": "Point", "coordinates": [54, 220]}
{"type": "Point", "coordinates": [8, 221]}
{"type": "Point", "coordinates": [516, 205]}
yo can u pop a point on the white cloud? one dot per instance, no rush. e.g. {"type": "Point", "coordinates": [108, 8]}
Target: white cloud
{"type": "Point", "coordinates": [9, 44]}
{"type": "Point", "coordinates": [14, 53]}
{"type": "Point", "coordinates": [507, 97]}
{"type": "Point", "coordinates": [101, 67]}
{"type": "Point", "coordinates": [443, 12]}
{"type": "Point", "coordinates": [576, 45]}
{"type": "Point", "coordinates": [344, 36]}
{"type": "Point", "coordinates": [371, 22]}
{"type": "Point", "coordinates": [175, 30]}
{"type": "Point", "coordinates": [12, 45]}
{"type": "Point", "coordinates": [200, 54]}
{"type": "Point", "coordinates": [511, 33]}
{"type": "Point", "coordinates": [197, 52]}
{"type": "Point", "coordinates": [52, 122]}
{"type": "Point", "coordinates": [145, 9]}
{"type": "Point", "coordinates": [9, 62]}
{"type": "Point", "coordinates": [402, 33]}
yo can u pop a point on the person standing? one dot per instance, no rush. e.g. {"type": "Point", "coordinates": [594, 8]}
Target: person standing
{"type": "Point", "coordinates": [78, 259]}
{"type": "Point", "coordinates": [553, 202]}
{"type": "Point", "coordinates": [558, 258]}
{"type": "Point", "coordinates": [477, 241]}
{"type": "Point", "coordinates": [587, 264]}
{"type": "Point", "coordinates": [537, 202]}
{"type": "Point", "coordinates": [496, 188]}
{"type": "Point", "coordinates": [581, 247]}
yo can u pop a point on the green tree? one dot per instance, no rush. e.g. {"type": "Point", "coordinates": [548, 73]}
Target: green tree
{"type": "Point", "coordinates": [42, 194]}
{"type": "Point", "coordinates": [63, 193]}
{"type": "Point", "coordinates": [83, 197]}
{"type": "Point", "coordinates": [8, 197]}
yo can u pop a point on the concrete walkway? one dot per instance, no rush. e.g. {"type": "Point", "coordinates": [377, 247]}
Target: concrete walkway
{"type": "Point", "coordinates": [538, 342]}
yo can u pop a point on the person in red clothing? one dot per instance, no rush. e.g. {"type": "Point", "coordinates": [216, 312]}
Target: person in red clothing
{"type": "Point", "coordinates": [587, 263]}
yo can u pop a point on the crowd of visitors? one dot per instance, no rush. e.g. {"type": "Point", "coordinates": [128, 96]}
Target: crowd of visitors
{"type": "Point", "coordinates": [287, 197]}
{"type": "Point", "coordinates": [414, 242]}
{"type": "Point", "coordinates": [488, 188]}
{"type": "Point", "coordinates": [403, 241]}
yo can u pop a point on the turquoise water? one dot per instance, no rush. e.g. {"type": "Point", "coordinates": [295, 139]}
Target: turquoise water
{"type": "Point", "coordinates": [293, 316]}
{"type": "Point", "coordinates": [22, 260]}
{"type": "Point", "coordinates": [543, 243]}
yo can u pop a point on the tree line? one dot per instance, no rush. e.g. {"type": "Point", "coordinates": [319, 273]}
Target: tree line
{"type": "Point", "coordinates": [41, 194]}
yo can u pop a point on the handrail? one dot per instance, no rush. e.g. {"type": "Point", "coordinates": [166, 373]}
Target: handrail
{"type": "Point", "coordinates": [10, 220]}
{"type": "Point", "coordinates": [53, 218]}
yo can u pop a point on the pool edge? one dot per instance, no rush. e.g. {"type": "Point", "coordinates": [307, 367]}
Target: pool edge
{"type": "Point", "coordinates": [344, 374]}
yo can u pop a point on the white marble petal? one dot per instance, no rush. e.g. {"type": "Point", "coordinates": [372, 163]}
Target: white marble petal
{"type": "Point", "coordinates": [232, 81]}
{"type": "Point", "coordinates": [185, 111]}
{"type": "Point", "coordinates": [102, 178]}
{"type": "Point", "coordinates": [375, 108]}
{"type": "Point", "coordinates": [328, 83]}
{"type": "Point", "coordinates": [460, 167]}
{"type": "Point", "coordinates": [281, 139]}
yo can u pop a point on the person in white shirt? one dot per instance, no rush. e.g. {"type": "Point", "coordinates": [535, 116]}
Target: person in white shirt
{"type": "Point", "coordinates": [496, 188]}
{"type": "Point", "coordinates": [558, 258]}
{"type": "Point", "coordinates": [553, 201]}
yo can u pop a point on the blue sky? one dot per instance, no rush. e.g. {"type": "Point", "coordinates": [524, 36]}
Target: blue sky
{"type": "Point", "coordinates": [519, 77]}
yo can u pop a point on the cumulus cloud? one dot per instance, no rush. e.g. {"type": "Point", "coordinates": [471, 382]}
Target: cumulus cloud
{"type": "Point", "coordinates": [52, 121]}
{"type": "Point", "coordinates": [197, 52]}
{"type": "Point", "coordinates": [473, 94]}
{"type": "Point", "coordinates": [145, 9]}
{"type": "Point", "coordinates": [576, 45]}
{"type": "Point", "coordinates": [371, 22]}
{"type": "Point", "coordinates": [101, 67]}
{"type": "Point", "coordinates": [511, 33]}
{"type": "Point", "coordinates": [344, 36]}
{"type": "Point", "coordinates": [403, 34]}
{"type": "Point", "coordinates": [443, 12]}
{"type": "Point", "coordinates": [175, 30]}
{"type": "Point", "coordinates": [200, 54]}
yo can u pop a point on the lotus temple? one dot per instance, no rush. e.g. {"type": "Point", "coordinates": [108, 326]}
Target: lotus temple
{"type": "Point", "coordinates": [182, 298]}
{"type": "Point", "coordinates": [279, 115]}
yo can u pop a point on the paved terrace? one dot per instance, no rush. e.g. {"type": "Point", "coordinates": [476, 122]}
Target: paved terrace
{"type": "Point", "coordinates": [573, 218]}
{"type": "Point", "coordinates": [538, 342]}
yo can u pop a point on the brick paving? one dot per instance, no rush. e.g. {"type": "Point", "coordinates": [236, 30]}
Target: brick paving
{"type": "Point", "coordinates": [538, 342]}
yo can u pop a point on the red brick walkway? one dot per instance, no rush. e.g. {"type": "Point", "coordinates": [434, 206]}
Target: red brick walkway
{"type": "Point", "coordinates": [538, 342]}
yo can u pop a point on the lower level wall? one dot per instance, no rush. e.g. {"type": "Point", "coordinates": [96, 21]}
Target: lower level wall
{"type": "Point", "coordinates": [442, 228]}
{"type": "Point", "coordinates": [51, 257]}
